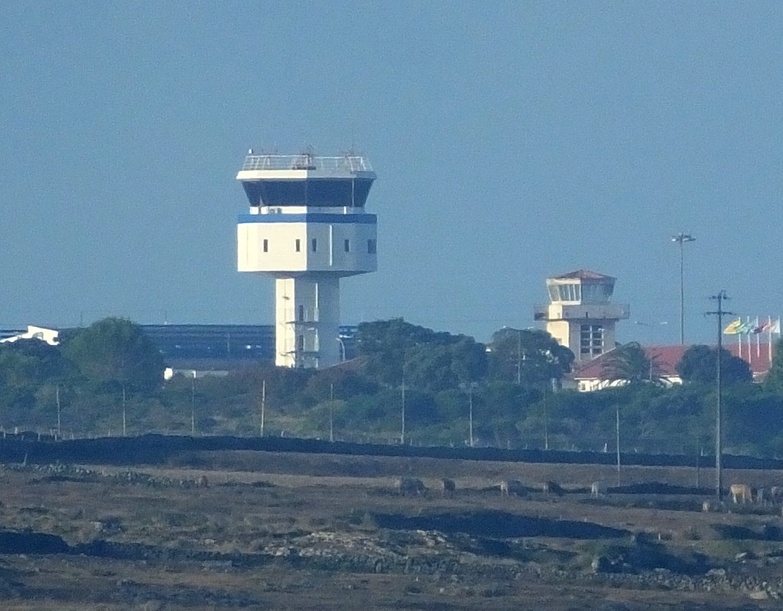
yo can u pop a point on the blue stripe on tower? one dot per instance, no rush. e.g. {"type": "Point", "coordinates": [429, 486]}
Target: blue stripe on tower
{"type": "Point", "coordinates": [360, 219]}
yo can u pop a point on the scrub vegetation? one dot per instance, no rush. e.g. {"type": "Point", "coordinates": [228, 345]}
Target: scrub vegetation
{"type": "Point", "coordinates": [513, 384]}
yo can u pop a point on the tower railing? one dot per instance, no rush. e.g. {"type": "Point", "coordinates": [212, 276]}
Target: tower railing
{"type": "Point", "coordinates": [332, 165]}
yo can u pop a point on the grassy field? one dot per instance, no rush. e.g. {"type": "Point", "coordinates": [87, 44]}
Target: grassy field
{"type": "Point", "coordinates": [281, 531]}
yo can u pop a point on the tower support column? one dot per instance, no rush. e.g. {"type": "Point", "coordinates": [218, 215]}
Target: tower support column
{"type": "Point", "coordinates": [307, 321]}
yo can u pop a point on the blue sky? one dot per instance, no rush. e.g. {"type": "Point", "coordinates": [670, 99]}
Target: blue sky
{"type": "Point", "coordinates": [512, 141]}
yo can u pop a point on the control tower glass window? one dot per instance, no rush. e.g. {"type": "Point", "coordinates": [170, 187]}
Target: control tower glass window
{"type": "Point", "coordinates": [569, 292]}
{"type": "Point", "coordinates": [596, 293]}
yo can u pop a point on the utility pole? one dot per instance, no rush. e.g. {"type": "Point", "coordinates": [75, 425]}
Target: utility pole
{"type": "Point", "coordinates": [402, 419]}
{"type": "Point", "coordinates": [617, 440]}
{"type": "Point", "coordinates": [331, 412]}
{"type": "Point", "coordinates": [470, 413]}
{"type": "Point", "coordinates": [681, 239]}
{"type": "Point", "coordinates": [57, 398]}
{"type": "Point", "coordinates": [546, 414]}
{"type": "Point", "coordinates": [720, 313]}
{"type": "Point", "coordinates": [468, 387]}
{"type": "Point", "coordinates": [263, 405]}
{"type": "Point", "coordinates": [124, 419]}
{"type": "Point", "coordinates": [193, 405]}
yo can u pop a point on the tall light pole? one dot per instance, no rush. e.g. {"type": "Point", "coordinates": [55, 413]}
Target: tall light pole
{"type": "Point", "coordinates": [681, 238]}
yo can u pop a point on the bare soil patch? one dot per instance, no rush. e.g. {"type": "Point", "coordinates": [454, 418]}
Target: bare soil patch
{"type": "Point", "coordinates": [278, 530]}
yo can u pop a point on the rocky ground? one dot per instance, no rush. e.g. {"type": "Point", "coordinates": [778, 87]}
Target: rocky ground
{"type": "Point", "coordinates": [276, 531]}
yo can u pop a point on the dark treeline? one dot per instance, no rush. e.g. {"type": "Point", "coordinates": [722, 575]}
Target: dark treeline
{"type": "Point", "coordinates": [109, 377]}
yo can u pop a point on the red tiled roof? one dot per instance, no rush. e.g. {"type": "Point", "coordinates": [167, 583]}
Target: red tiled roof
{"type": "Point", "coordinates": [756, 356]}
{"type": "Point", "coordinates": [667, 357]}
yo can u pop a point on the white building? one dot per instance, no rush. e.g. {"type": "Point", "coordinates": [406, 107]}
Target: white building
{"type": "Point", "coordinates": [50, 336]}
{"type": "Point", "coordinates": [307, 228]}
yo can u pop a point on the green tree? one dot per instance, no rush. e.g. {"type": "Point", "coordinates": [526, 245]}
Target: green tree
{"type": "Point", "coordinates": [752, 419]}
{"type": "Point", "coordinates": [30, 371]}
{"type": "Point", "coordinates": [338, 382]}
{"type": "Point", "coordinates": [426, 359]}
{"type": "Point", "coordinates": [441, 366]}
{"type": "Point", "coordinates": [774, 380]}
{"type": "Point", "coordinates": [699, 364]}
{"type": "Point", "coordinates": [630, 362]}
{"type": "Point", "coordinates": [114, 352]}
{"type": "Point", "coordinates": [530, 356]}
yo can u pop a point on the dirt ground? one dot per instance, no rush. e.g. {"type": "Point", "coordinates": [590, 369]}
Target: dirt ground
{"type": "Point", "coordinates": [281, 531]}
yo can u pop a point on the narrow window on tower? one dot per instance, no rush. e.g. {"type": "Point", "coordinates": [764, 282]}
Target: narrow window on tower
{"type": "Point", "coordinates": [298, 245]}
{"type": "Point", "coordinates": [300, 343]}
{"type": "Point", "coordinates": [315, 245]}
{"type": "Point", "coordinates": [371, 246]}
{"type": "Point", "coordinates": [301, 313]}
{"type": "Point", "coordinates": [347, 245]}
{"type": "Point", "coordinates": [266, 245]}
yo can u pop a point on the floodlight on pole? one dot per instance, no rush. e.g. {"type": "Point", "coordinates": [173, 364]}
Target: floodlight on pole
{"type": "Point", "coordinates": [681, 239]}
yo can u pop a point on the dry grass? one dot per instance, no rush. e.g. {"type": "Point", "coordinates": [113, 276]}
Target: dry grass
{"type": "Point", "coordinates": [256, 501]}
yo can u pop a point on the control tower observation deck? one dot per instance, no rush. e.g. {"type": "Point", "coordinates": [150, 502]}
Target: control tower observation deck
{"type": "Point", "coordinates": [307, 228]}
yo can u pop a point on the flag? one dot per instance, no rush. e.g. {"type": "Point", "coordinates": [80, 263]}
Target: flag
{"type": "Point", "coordinates": [733, 328]}
{"type": "Point", "coordinates": [774, 327]}
{"type": "Point", "coordinates": [759, 327]}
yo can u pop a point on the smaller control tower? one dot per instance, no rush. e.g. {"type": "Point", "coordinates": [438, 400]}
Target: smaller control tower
{"type": "Point", "coordinates": [307, 228]}
{"type": "Point", "coordinates": [579, 314]}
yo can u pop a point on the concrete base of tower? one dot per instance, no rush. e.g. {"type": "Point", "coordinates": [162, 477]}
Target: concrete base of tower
{"type": "Point", "coordinates": [307, 321]}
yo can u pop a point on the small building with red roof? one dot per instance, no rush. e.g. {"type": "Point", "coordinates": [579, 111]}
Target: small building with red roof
{"type": "Point", "coordinates": [596, 374]}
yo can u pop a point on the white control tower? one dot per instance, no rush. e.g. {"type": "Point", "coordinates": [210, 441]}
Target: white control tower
{"type": "Point", "coordinates": [307, 228]}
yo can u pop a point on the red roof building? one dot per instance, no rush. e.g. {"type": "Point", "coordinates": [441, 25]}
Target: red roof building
{"type": "Point", "coordinates": [594, 374]}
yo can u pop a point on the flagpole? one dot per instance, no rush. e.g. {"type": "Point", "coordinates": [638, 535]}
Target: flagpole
{"type": "Point", "coordinates": [747, 332]}
{"type": "Point", "coordinates": [769, 338]}
{"type": "Point", "coordinates": [758, 339]}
